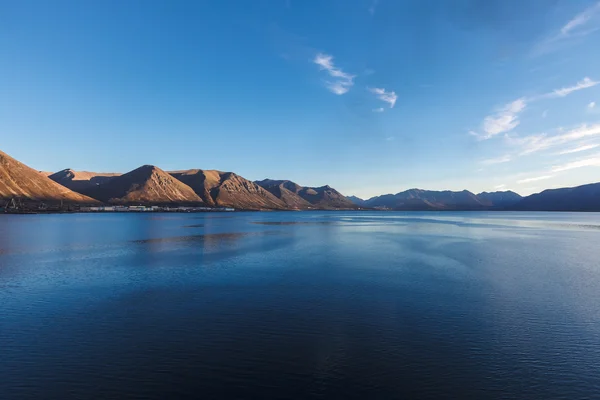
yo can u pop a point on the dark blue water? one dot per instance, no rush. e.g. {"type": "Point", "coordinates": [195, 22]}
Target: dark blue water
{"type": "Point", "coordinates": [300, 305]}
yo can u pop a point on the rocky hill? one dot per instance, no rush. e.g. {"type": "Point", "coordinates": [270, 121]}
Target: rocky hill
{"type": "Point", "coordinates": [18, 181]}
{"type": "Point", "coordinates": [145, 185]}
{"type": "Point", "coordinates": [226, 189]}
{"type": "Point", "coordinates": [81, 180]}
{"type": "Point", "coordinates": [300, 197]}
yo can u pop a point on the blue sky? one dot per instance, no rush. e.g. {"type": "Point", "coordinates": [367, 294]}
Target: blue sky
{"type": "Point", "coordinates": [368, 96]}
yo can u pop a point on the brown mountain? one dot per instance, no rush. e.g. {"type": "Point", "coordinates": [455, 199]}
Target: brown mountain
{"type": "Point", "coordinates": [296, 196]}
{"type": "Point", "coordinates": [144, 185]}
{"type": "Point", "coordinates": [226, 189]}
{"type": "Point", "coordinates": [287, 192]}
{"type": "Point", "coordinates": [20, 182]}
{"type": "Point", "coordinates": [81, 180]}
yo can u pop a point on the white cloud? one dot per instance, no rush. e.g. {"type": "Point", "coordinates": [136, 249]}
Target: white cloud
{"type": "Point", "coordinates": [343, 81]}
{"type": "Point", "coordinates": [592, 105]}
{"type": "Point", "coordinates": [579, 149]}
{"type": "Point", "coordinates": [504, 120]}
{"type": "Point", "coordinates": [499, 187]}
{"type": "Point", "coordinates": [535, 179]}
{"type": "Point", "coordinates": [507, 118]}
{"type": "Point", "coordinates": [379, 110]}
{"type": "Point", "coordinates": [588, 162]}
{"type": "Point", "coordinates": [498, 160]}
{"type": "Point", "coordinates": [576, 27]}
{"type": "Point", "coordinates": [579, 20]}
{"type": "Point", "coordinates": [583, 84]}
{"type": "Point", "coordinates": [383, 95]}
{"type": "Point", "coordinates": [535, 143]}
{"type": "Point", "coordinates": [390, 138]}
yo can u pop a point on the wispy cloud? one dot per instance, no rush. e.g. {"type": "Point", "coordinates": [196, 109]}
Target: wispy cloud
{"type": "Point", "coordinates": [587, 162]}
{"type": "Point", "coordinates": [592, 105]}
{"type": "Point", "coordinates": [535, 179]}
{"type": "Point", "coordinates": [500, 187]}
{"type": "Point", "coordinates": [504, 120]}
{"type": "Point", "coordinates": [383, 95]}
{"type": "Point", "coordinates": [579, 20]}
{"type": "Point", "coordinates": [534, 143]}
{"type": "Point", "coordinates": [379, 110]}
{"type": "Point", "coordinates": [390, 138]}
{"type": "Point", "coordinates": [574, 28]}
{"type": "Point", "coordinates": [579, 149]}
{"type": "Point", "coordinates": [562, 92]}
{"type": "Point", "coordinates": [498, 160]}
{"type": "Point", "coordinates": [342, 81]}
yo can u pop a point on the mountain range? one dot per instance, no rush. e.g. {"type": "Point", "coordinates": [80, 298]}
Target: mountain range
{"type": "Point", "coordinates": [418, 199]}
{"type": "Point", "coordinates": [150, 185]}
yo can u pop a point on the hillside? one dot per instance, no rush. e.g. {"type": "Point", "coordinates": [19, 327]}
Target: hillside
{"type": "Point", "coordinates": [79, 181]}
{"type": "Point", "coordinates": [20, 182]}
{"type": "Point", "coordinates": [418, 199]}
{"type": "Point", "coordinates": [499, 199]}
{"type": "Point", "coordinates": [287, 192]}
{"type": "Point", "coordinates": [226, 189]}
{"type": "Point", "coordinates": [580, 198]}
{"type": "Point", "coordinates": [144, 185]}
{"type": "Point", "coordinates": [357, 200]}
{"type": "Point", "coordinates": [296, 196]}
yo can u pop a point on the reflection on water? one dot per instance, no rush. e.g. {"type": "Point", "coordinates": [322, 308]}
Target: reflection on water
{"type": "Point", "coordinates": [300, 305]}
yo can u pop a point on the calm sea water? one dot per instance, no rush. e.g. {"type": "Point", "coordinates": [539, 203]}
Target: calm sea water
{"type": "Point", "coordinates": [300, 305]}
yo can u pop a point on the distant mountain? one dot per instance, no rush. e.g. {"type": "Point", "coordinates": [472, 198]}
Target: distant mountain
{"type": "Point", "coordinates": [580, 198]}
{"type": "Point", "coordinates": [144, 185]}
{"type": "Point", "coordinates": [18, 181]}
{"type": "Point", "coordinates": [81, 180]}
{"type": "Point", "coordinates": [418, 199]}
{"type": "Point", "coordinates": [499, 199]}
{"type": "Point", "coordinates": [299, 197]}
{"type": "Point", "coordinates": [357, 200]}
{"type": "Point", "coordinates": [227, 189]}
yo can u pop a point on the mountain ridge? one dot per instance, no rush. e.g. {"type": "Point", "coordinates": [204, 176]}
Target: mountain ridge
{"type": "Point", "coordinates": [150, 185]}
{"type": "Point", "coordinates": [147, 184]}
{"type": "Point", "coordinates": [18, 181]}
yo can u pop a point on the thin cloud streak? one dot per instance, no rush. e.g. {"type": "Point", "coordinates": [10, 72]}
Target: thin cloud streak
{"type": "Point", "coordinates": [583, 84]}
{"type": "Point", "coordinates": [534, 143]}
{"type": "Point", "coordinates": [588, 162]}
{"type": "Point", "coordinates": [343, 81]}
{"type": "Point", "coordinates": [574, 28]}
{"type": "Point", "coordinates": [506, 118]}
{"type": "Point", "coordinates": [579, 149]}
{"type": "Point", "coordinates": [535, 179]}
{"type": "Point", "coordinates": [498, 160]}
{"type": "Point", "coordinates": [383, 95]}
